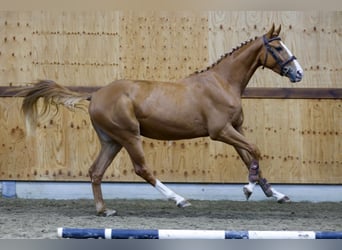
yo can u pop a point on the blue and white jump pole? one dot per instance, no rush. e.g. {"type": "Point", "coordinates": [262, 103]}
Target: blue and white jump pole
{"type": "Point", "coordinates": [87, 233]}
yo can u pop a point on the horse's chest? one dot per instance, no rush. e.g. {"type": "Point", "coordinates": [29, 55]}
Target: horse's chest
{"type": "Point", "coordinates": [232, 111]}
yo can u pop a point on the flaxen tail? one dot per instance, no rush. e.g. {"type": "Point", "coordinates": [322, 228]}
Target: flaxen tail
{"type": "Point", "coordinates": [52, 94]}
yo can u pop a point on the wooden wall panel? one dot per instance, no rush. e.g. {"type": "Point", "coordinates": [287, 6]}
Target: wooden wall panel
{"type": "Point", "coordinates": [76, 48]}
{"type": "Point", "coordinates": [15, 47]}
{"type": "Point", "coordinates": [95, 47]}
{"type": "Point", "coordinates": [300, 139]}
{"type": "Point", "coordinates": [163, 46]}
{"type": "Point", "coordinates": [313, 37]}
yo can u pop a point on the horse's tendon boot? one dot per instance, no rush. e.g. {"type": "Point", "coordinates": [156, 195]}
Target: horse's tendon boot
{"type": "Point", "coordinates": [266, 187]}
{"type": "Point", "coordinates": [253, 172]}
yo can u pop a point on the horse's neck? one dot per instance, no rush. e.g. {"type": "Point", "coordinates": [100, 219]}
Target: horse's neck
{"type": "Point", "coordinates": [237, 69]}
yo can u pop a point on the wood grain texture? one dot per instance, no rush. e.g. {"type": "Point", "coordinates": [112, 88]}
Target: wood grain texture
{"type": "Point", "coordinates": [298, 134]}
{"type": "Point", "coordinates": [312, 36]}
{"type": "Point", "coordinates": [300, 141]}
{"type": "Point", "coordinates": [92, 48]}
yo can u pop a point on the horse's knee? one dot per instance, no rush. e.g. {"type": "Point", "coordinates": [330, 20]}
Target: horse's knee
{"type": "Point", "coordinates": [255, 152]}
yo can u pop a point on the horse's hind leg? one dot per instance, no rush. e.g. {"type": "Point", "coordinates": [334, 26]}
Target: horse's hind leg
{"type": "Point", "coordinates": [135, 150]}
{"type": "Point", "coordinates": [109, 150]}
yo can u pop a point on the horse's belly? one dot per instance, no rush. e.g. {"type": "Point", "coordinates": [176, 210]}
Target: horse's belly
{"type": "Point", "coordinates": [171, 130]}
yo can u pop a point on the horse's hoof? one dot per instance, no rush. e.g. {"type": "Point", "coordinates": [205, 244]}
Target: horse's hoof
{"type": "Point", "coordinates": [183, 203]}
{"type": "Point", "coordinates": [285, 199]}
{"type": "Point", "coordinates": [247, 192]}
{"type": "Point", "coordinates": [107, 213]}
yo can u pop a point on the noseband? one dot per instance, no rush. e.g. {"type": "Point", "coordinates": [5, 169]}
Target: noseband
{"type": "Point", "coordinates": [270, 50]}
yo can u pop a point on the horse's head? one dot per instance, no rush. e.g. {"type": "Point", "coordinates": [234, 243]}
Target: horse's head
{"type": "Point", "coordinates": [277, 57]}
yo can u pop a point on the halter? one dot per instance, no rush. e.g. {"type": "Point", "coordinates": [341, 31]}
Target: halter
{"type": "Point", "coordinates": [269, 49]}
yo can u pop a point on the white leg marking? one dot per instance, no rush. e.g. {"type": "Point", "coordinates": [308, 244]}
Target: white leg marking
{"type": "Point", "coordinates": [99, 206]}
{"type": "Point", "coordinates": [168, 193]}
{"type": "Point", "coordinates": [248, 189]}
{"type": "Point", "coordinates": [250, 186]}
{"type": "Point", "coordinates": [277, 194]}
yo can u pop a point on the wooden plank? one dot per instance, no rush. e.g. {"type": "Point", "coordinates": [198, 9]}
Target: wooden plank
{"type": "Point", "coordinates": [314, 37]}
{"type": "Point", "coordinates": [16, 46]}
{"type": "Point", "coordinates": [93, 47]}
{"type": "Point", "coordinates": [163, 46]}
{"type": "Point", "coordinates": [293, 93]}
{"type": "Point", "coordinates": [300, 141]}
{"type": "Point", "coordinates": [266, 93]}
{"type": "Point", "coordinates": [297, 129]}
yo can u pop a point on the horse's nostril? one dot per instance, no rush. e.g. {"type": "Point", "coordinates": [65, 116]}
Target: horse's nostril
{"type": "Point", "coordinates": [299, 74]}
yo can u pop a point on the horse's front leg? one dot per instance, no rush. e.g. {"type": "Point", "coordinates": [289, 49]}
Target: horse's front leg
{"type": "Point", "coordinates": [250, 155]}
{"type": "Point", "coordinates": [255, 176]}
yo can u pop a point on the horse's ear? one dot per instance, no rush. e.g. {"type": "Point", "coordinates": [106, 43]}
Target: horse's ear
{"type": "Point", "coordinates": [269, 34]}
{"type": "Point", "coordinates": [277, 31]}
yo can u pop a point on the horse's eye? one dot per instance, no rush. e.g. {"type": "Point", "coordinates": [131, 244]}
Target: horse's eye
{"type": "Point", "coordinates": [279, 48]}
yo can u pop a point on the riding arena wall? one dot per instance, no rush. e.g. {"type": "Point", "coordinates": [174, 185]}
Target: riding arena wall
{"type": "Point", "coordinates": [299, 135]}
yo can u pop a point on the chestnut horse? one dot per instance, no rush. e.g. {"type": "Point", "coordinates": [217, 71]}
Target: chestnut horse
{"type": "Point", "coordinates": [206, 103]}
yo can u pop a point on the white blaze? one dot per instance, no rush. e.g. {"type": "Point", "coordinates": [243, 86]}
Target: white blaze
{"type": "Point", "coordinates": [298, 67]}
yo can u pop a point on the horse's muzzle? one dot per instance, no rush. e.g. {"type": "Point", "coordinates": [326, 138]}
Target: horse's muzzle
{"type": "Point", "coordinates": [293, 75]}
